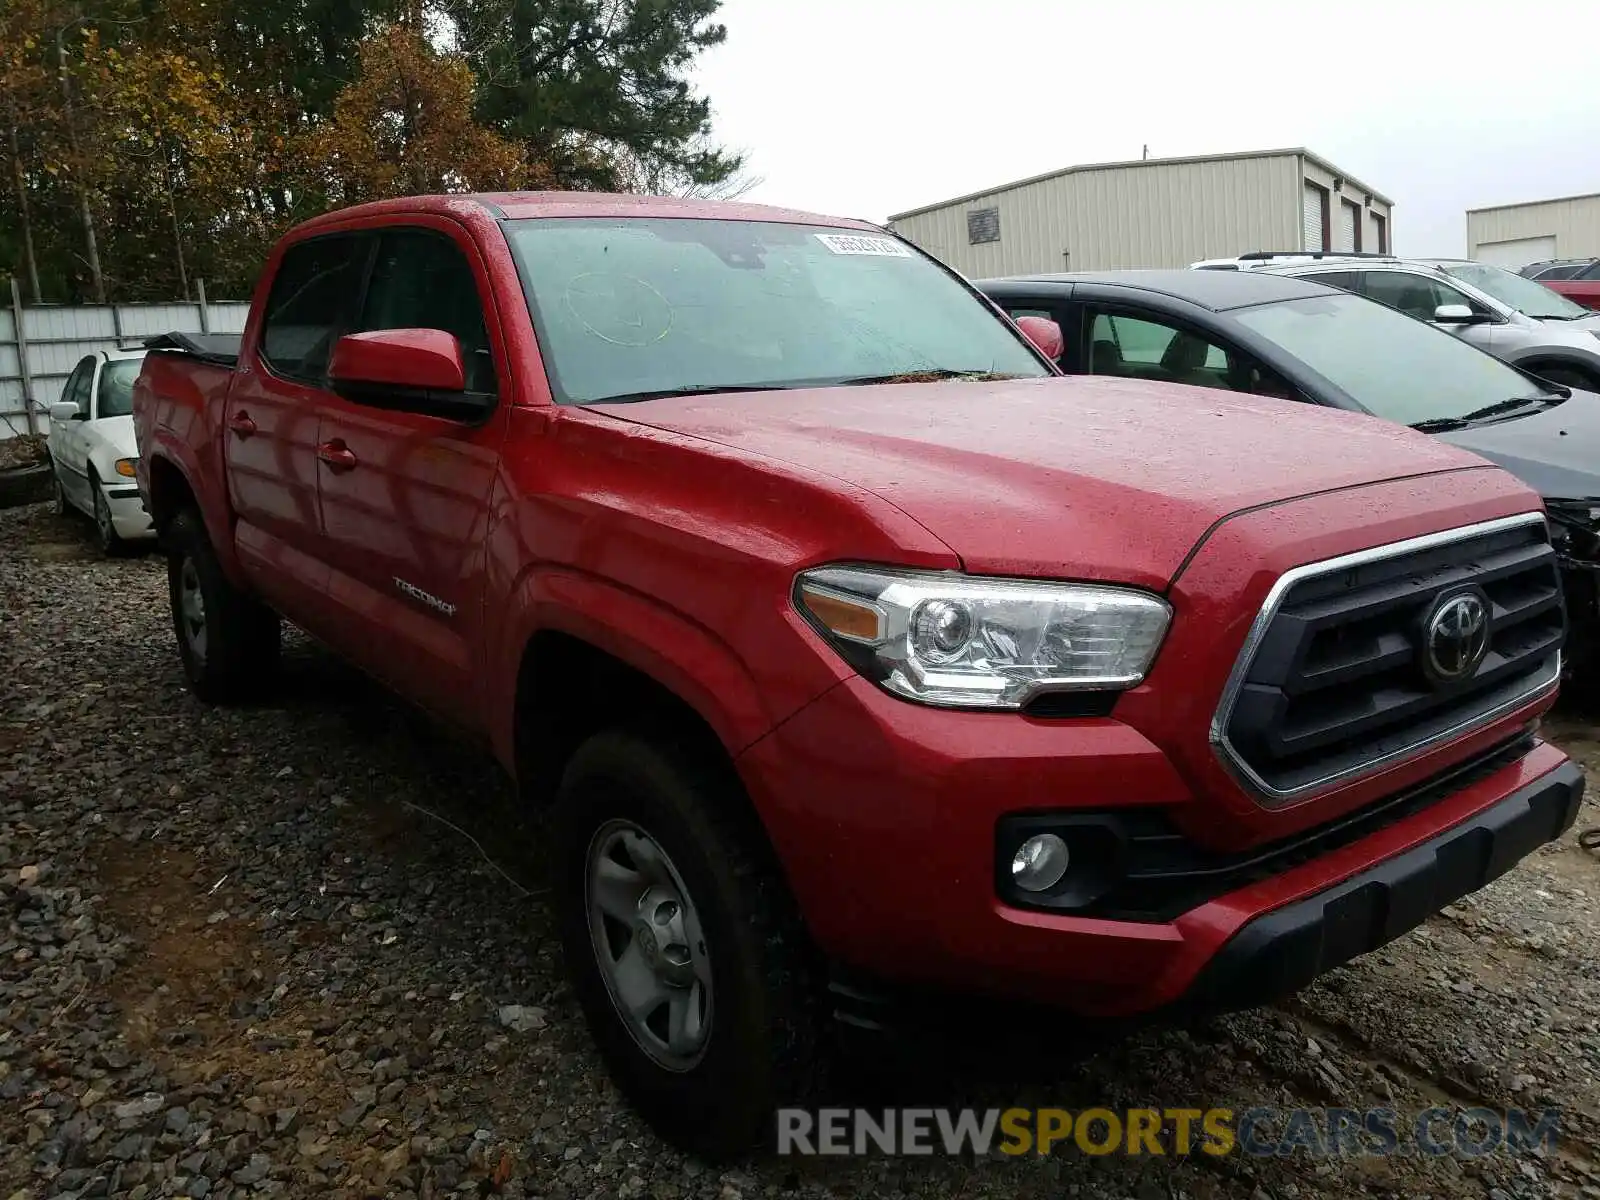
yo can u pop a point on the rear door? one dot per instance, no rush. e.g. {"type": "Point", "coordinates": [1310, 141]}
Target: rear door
{"type": "Point", "coordinates": [270, 427]}
{"type": "Point", "coordinates": [405, 494]}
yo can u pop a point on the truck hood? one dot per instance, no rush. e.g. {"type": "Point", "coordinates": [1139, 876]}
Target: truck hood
{"type": "Point", "coordinates": [1556, 452]}
{"type": "Point", "coordinates": [1079, 477]}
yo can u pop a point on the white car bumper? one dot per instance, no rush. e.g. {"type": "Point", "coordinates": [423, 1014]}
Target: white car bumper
{"type": "Point", "coordinates": [128, 515]}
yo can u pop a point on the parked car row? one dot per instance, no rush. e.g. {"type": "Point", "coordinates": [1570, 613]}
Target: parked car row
{"type": "Point", "coordinates": [864, 659]}
{"type": "Point", "coordinates": [1293, 332]}
{"type": "Point", "coordinates": [1575, 278]}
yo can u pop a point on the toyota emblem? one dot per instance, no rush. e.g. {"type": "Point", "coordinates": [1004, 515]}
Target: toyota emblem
{"type": "Point", "coordinates": [1456, 637]}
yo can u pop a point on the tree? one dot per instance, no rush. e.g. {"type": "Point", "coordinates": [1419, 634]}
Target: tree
{"type": "Point", "coordinates": [591, 85]}
{"type": "Point", "coordinates": [405, 126]}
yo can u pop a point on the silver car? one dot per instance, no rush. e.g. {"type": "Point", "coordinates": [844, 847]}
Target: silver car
{"type": "Point", "coordinates": [1513, 318]}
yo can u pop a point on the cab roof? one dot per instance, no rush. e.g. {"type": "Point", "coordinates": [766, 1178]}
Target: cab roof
{"type": "Point", "coordinates": [515, 206]}
{"type": "Point", "coordinates": [1215, 290]}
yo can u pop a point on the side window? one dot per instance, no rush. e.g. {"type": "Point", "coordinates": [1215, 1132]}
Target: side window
{"type": "Point", "coordinates": [1136, 348]}
{"type": "Point", "coordinates": [1592, 271]}
{"type": "Point", "coordinates": [423, 281]}
{"type": "Point", "coordinates": [308, 306]}
{"type": "Point", "coordinates": [77, 388]}
{"type": "Point", "coordinates": [1343, 280]}
{"type": "Point", "coordinates": [1415, 295]}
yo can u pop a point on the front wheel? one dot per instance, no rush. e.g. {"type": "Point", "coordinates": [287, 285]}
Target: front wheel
{"type": "Point", "coordinates": [105, 529]}
{"type": "Point", "coordinates": [228, 640]}
{"type": "Point", "coordinates": [682, 946]}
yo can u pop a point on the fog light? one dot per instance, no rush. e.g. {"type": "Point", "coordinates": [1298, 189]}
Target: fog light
{"type": "Point", "coordinates": [1039, 863]}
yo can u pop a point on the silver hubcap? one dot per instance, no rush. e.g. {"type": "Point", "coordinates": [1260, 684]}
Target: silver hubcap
{"type": "Point", "coordinates": [648, 941]}
{"type": "Point", "coordinates": [192, 609]}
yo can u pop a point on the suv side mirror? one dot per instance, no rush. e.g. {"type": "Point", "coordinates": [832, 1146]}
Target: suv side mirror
{"type": "Point", "coordinates": [412, 370]}
{"type": "Point", "coordinates": [1045, 335]}
{"type": "Point", "coordinates": [1458, 314]}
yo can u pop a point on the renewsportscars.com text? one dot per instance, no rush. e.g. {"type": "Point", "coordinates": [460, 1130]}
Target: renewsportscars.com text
{"type": "Point", "coordinates": [1258, 1131]}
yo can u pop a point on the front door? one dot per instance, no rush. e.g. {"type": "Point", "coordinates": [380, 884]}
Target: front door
{"type": "Point", "coordinates": [69, 446]}
{"type": "Point", "coordinates": [1420, 296]}
{"type": "Point", "coordinates": [270, 427]}
{"type": "Point", "coordinates": [405, 494]}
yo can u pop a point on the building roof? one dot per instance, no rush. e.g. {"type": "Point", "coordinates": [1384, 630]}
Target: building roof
{"type": "Point", "coordinates": [1216, 290]}
{"type": "Point", "coordinates": [1534, 203]}
{"type": "Point", "coordinates": [1151, 162]}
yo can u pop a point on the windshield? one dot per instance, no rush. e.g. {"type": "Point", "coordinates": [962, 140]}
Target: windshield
{"type": "Point", "coordinates": [629, 307]}
{"type": "Point", "coordinates": [1393, 365]}
{"type": "Point", "coordinates": [1527, 296]}
{"type": "Point", "coordinates": [116, 387]}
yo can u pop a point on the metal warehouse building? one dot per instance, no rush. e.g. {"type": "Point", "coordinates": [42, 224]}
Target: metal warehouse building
{"type": "Point", "coordinates": [1156, 212]}
{"type": "Point", "coordinates": [1514, 235]}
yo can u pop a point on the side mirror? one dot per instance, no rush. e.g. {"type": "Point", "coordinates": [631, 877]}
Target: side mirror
{"type": "Point", "coordinates": [1456, 314]}
{"type": "Point", "coordinates": [1045, 335]}
{"type": "Point", "coordinates": [412, 370]}
{"type": "Point", "coordinates": [63, 410]}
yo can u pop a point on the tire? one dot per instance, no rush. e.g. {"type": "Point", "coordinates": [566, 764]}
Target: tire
{"type": "Point", "coordinates": [105, 532]}
{"type": "Point", "coordinates": [760, 1045]}
{"type": "Point", "coordinates": [1567, 377]}
{"type": "Point", "coordinates": [227, 639]}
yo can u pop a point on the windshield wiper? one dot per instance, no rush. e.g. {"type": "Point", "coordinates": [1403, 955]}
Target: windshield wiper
{"type": "Point", "coordinates": [933, 375]}
{"type": "Point", "coordinates": [1489, 411]}
{"type": "Point", "coordinates": [699, 389]}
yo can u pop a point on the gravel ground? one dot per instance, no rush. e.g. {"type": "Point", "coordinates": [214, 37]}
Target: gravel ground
{"type": "Point", "coordinates": [241, 955]}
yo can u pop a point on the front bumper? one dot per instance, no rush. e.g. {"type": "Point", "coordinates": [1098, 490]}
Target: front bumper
{"type": "Point", "coordinates": [129, 517]}
{"type": "Point", "coordinates": [1283, 951]}
{"type": "Point", "coordinates": [884, 815]}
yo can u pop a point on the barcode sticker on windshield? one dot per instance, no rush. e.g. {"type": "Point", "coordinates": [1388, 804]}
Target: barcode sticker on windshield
{"type": "Point", "coordinates": [846, 243]}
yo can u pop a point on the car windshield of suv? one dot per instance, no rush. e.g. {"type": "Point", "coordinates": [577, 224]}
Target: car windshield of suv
{"type": "Point", "coordinates": [116, 387]}
{"type": "Point", "coordinates": [1528, 296]}
{"type": "Point", "coordinates": [629, 308]}
{"type": "Point", "coordinates": [1393, 365]}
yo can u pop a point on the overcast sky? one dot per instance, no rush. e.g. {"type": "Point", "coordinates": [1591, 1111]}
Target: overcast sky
{"type": "Point", "coordinates": [871, 107]}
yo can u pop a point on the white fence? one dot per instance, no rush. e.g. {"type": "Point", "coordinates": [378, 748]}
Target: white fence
{"type": "Point", "coordinates": [53, 337]}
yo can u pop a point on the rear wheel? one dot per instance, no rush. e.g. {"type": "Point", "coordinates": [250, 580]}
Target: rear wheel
{"type": "Point", "coordinates": [228, 640]}
{"type": "Point", "coordinates": [681, 942]}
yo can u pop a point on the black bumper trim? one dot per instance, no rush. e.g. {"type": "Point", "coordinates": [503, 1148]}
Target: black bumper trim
{"type": "Point", "coordinates": [121, 493]}
{"type": "Point", "coordinates": [1282, 951]}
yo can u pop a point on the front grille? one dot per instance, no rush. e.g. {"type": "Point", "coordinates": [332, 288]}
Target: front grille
{"type": "Point", "coordinates": [1334, 681]}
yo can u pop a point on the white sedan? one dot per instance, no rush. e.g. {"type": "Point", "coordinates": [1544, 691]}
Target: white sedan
{"type": "Point", "coordinates": [93, 451]}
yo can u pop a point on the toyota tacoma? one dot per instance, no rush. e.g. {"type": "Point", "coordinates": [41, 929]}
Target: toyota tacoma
{"type": "Point", "coordinates": [847, 639]}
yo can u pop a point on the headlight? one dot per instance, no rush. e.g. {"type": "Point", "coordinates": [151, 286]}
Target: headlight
{"type": "Point", "coordinates": [125, 466]}
{"type": "Point", "coordinates": [968, 642]}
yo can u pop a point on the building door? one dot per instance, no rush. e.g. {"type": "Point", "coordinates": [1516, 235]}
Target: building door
{"type": "Point", "coordinates": [1349, 227]}
{"type": "Point", "coordinates": [1516, 254]}
{"type": "Point", "coordinates": [1316, 217]}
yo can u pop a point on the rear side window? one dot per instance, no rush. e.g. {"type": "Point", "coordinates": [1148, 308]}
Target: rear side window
{"type": "Point", "coordinates": [1343, 280]}
{"type": "Point", "coordinates": [422, 280]}
{"type": "Point", "coordinates": [309, 306]}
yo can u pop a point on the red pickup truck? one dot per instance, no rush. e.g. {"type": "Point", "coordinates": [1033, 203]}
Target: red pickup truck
{"type": "Point", "coordinates": [861, 656]}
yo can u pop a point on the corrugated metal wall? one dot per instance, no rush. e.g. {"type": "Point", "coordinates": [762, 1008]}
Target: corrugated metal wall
{"type": "Point", "coordinates": [1152, 214]}
{"type": "Point", "coordinates": [56, 337]}
{"type": "Point", "coordinates": [1160, 215]}
{"type": "Point", "coordinates": [1574, 223]}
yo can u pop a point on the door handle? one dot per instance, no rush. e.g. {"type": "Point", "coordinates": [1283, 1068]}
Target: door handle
{"type": "Point", "coordinates": [337, 455]}
{"type": "Point", "coordinates": [241, 424]}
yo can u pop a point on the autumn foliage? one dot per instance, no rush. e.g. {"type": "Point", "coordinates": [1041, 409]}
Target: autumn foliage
{"type": "Point", "coordinates": [151, 143]}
